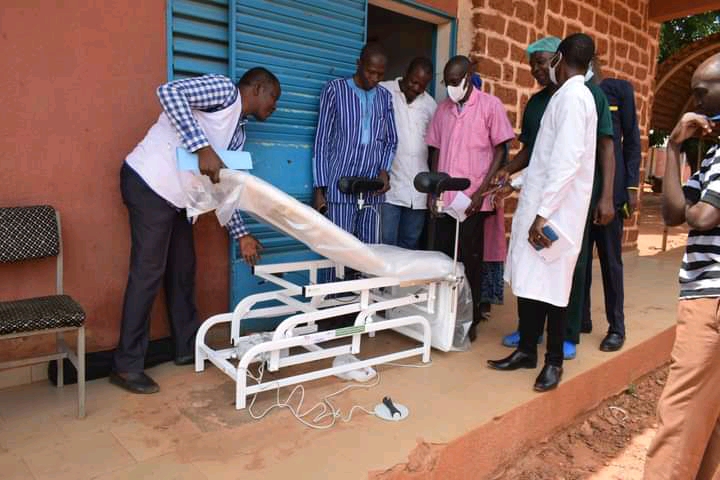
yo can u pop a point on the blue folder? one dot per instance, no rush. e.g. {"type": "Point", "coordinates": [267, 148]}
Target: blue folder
{"type": "Point", "coordinates": [233, 159]}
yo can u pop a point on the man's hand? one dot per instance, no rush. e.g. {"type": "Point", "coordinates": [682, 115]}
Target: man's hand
{"type": "Point", "coordinates": [604, 212]}
{"type": "Point", "coordinates": [499, 188]}
{"type": "Point", "coordinates": [536, 236]}
{"type": "Point", "coordinates": [250, 249]}
{"type": "Point", "coordinates": [210, 163]}
{"type": "Point", "coordinates": [319, 202]}
{"type": "Point", "coordinates": [476, 201]}
{"type": "Point", "coordinates": [385, 178]}
{"type": "Point", "coordinates": [501, 178]}
{"type": "Point", "coordinates": [691, 125]}
{"type": "Point", "coordinates": [632, 200]}
{"type": "Point", "coordinates": [501, 194]}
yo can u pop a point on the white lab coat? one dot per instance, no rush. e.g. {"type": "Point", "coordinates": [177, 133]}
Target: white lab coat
{"type": "Point", "coordinates": [557, 185]}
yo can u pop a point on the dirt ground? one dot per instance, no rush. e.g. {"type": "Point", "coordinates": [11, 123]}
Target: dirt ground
{"type": "Point", "coordinates": [609, 443]}
{"type": "Point", "coordinates": [651, 228]}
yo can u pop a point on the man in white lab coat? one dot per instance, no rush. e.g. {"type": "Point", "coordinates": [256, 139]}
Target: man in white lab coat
{"type": "Point", "coordinates": [556, 192]}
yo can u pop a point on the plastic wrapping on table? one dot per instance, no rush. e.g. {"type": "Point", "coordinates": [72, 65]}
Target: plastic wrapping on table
{"type": "Point", "coordinates": [270, 205]}
{"type": "Point", "coordinates": [463, 319]}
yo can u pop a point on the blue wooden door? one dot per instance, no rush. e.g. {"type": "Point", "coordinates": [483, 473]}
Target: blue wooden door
{"type": "Point", "coordinates": [305, 43]}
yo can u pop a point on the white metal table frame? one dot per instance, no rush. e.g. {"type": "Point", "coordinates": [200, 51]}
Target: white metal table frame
{"type": "Point", "coordinates": [300, 329]}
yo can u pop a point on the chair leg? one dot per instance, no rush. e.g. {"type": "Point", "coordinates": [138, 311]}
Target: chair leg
{"type": "Point", "coordinates": [81, 371]}
{"type": "Point", "coordinates": [60, 361]}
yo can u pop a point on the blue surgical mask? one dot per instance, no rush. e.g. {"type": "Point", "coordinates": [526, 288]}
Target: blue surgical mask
{"type": "Point", "coordinates": [589, 75]}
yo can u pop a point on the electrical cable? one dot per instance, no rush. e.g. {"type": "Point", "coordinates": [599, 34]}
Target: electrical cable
{"type": "Point", "coordinates": [327, 408]}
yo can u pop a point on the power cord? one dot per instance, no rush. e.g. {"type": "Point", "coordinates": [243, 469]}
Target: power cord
{"type": "Point", "coordinates": [327, 409]}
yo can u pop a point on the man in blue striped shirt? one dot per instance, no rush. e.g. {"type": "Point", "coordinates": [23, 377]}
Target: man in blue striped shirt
{"type": "Point", "coordinates": [202, 115]}
{"type": "Point", "coordinates": [355, 137]}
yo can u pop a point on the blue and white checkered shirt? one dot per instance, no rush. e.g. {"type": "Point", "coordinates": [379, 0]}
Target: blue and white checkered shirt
{"type": "Point", "coordinates": [209, 93]}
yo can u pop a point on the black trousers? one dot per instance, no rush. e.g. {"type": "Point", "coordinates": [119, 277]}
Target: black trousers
{"type": "Point", "coordinates": [532, 315]}
{"type": "Point", "coordinates": [162, 248]}
{"type": "Point", "coordinates": [608, 239]}
{"type": "Point", "coordinates": [470, 250]}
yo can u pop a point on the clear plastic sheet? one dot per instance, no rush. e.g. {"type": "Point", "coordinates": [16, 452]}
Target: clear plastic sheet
{"type": "Point", "coordinates": [270, 205]}
{"type": "Point", "coordinates": [463, 319]}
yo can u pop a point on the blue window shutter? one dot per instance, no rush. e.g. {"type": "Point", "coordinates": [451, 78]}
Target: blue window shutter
{"type": "Point", "coordinates": [304, 43]}
{"type": "Point", "coordinates": [199, 37]}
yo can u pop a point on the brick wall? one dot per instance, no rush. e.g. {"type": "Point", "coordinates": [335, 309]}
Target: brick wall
{"type": "Point", "coordinates": [626, 42]}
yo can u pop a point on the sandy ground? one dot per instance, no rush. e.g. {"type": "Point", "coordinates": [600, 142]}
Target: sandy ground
{"type": "Point", "coordinates": [651, 228]}
{"type": "Point", "coordinates": [610, 443]}
{"type": "Point", "coordinates": [191, 430]}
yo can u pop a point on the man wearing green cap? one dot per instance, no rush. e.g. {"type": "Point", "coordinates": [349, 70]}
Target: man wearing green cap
{"type": "Point", "coordinates": [601, 211]}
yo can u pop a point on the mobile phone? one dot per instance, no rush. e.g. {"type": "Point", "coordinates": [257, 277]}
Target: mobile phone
{"type": "Point", "coordinates": [550, 234]}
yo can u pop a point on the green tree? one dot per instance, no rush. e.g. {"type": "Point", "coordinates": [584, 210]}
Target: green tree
{"type": "Point", "coordinates": [675, 34]}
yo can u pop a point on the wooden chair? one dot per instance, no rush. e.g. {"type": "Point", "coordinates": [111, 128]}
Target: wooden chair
{"type": "Point", "coordinates": [29, 233]}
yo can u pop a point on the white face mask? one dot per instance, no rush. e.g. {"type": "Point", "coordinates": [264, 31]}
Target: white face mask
{"type": "Point", "coordinates": [589, 74]}
{"type": "Point", "coordinates": [457, 93]}
{"type": "Point", "coordinates": [553, 65]}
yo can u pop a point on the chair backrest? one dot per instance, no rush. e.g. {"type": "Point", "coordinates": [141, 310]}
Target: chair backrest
{"type": "Point", "coordinates": [28, 232]}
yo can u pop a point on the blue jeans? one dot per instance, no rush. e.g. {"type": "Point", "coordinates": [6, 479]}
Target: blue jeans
{"type": "Point", "coordinates": [401, 226]}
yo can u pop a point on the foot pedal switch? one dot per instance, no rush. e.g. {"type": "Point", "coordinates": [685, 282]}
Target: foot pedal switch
{"type": "Point", "coordinates": [390, 411]}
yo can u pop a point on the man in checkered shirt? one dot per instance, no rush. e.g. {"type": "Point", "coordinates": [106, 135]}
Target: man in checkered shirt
{"type": "Point", "coordinates": [202, 115]}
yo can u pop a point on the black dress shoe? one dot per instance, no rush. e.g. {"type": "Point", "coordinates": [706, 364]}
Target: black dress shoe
{"type": "Point", "coordinates": [586, 327]}
{"type": "Point", "coordinates": [612, 342]}
{"type": "Point", "coordinates": [134, 382]}
{"type": "Point", "coordinates": [516, 360]}
{"type": "Point", "coordinates": [548, 379]}
{"type": "Point", "coordinates": [185, 360]}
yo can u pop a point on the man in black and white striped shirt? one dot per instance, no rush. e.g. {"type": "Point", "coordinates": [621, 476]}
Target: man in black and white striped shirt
{"type": "Point", "coordinates": [700, 271]}
{"type": "Point", "coordinates": [687, 444]}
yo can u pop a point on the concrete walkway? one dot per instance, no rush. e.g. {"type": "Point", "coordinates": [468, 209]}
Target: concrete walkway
{"type": "Point", "coordinates": [464, 417]}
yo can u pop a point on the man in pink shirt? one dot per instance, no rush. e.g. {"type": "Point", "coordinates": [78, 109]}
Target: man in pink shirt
{"type": "Point", "coordinates": [468, 135]}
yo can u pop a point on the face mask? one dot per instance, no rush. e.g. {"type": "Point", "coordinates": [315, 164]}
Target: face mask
{"type": "Point", "coordinates": [553, 65]}
{"type": "Point", "coordinates": [589, 74]}
{"type": "Point", "coordinates": [457, 93]}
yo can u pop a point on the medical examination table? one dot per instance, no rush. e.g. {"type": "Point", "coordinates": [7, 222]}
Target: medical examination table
{"type": "Point", "coordinates": [418, 292]}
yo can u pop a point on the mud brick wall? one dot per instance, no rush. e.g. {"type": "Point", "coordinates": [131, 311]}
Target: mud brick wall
{"type": "Point", "coordinates": [626, 42]}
